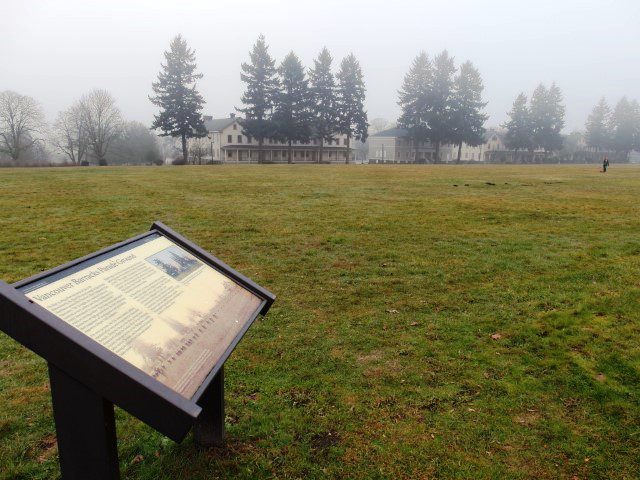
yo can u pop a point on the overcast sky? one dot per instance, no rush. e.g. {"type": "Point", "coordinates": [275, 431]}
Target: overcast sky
{"type": "Point", "coordinates": [56, 50]}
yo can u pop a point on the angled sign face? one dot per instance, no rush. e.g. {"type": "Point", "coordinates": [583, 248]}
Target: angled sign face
{"type": "Point", "coordinates": [153, 304]}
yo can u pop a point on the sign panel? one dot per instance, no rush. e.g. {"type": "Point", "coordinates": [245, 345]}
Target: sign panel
{"type": "Point", "coordinates": [153, 304]}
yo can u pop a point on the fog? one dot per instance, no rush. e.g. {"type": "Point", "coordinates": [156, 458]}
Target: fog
{"type": "Point", "coordinates": [55, 51]}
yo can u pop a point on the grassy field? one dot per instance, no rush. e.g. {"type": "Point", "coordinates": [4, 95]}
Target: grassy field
{"type": "Point", "coordinates": [431, 322]}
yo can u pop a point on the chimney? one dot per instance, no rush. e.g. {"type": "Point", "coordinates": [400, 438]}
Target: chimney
{"type": "Point", "coordinates": [232, 115]}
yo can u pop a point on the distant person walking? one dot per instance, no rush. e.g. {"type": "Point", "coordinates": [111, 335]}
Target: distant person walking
{"type": "Point", "coordinates": [605, 164]}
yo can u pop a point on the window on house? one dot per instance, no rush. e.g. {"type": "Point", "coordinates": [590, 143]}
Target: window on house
{"type": "Point", "coordinates": [249, 139]}
{"type": "Point", "coordinates": [345, 141]}
{"type": "Point", "coordinates": [235, 127]}
{"type": "Point", "coordinates": [239, 138]}
{"type": "Point", "coordinates": [229, 154]}
{"type": "Point", "coordinates": [229, 138]}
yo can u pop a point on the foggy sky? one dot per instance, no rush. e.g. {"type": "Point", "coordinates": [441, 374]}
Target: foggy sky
{"type": "Point", "coordinates": [55, 51]}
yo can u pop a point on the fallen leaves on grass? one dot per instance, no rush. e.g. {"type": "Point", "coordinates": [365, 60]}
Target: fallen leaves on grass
{"type": "Point", "coordinates": [496, 336]}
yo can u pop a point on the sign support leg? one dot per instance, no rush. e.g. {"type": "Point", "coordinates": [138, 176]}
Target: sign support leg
{"type": "Point", "coordinates": [209, 428]}
{"type": "Point", "coordinates": [85, 428]}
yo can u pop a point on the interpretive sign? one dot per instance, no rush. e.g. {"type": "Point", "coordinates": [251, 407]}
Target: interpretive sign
{"type": "Point", "coordinates": [153, 304]}
{"type": "Point", "coordinates": [146, 324]}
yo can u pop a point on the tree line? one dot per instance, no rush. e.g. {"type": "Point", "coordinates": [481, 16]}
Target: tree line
{"type": "Point", "coordinates": [441, 104]}
{"type": "Point", "coordinates": [538, 124]}
{"type": "Point", "coordinates": [92, 127]}
{"type": "Point", "coordinates": [284, 102]}
{"type": "Point", "coordinates": [614, 131]}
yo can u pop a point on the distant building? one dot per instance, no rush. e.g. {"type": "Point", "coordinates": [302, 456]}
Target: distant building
{"type": "Point", "coordinates": [228, 144]}
{"type": "Point", "coordinates": [393, 146]}
{"type": "Point", "coordinates": [496, 151]}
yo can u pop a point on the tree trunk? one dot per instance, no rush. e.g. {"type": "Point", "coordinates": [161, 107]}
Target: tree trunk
{"type": "Point", "coordinates": [437, 160]}
{"type": "Point", "coordinates": [185, 154]}
{"type": "Point", "coordinates": [320, 151]}
{"type": "Point", "coordinates": [260, 151]}
{"type": "Point", "coordinates": [289, 160]}
{"type": "Point", "coordinates": [348, 148]}
{"type": "Point", "coordinates": [415, 150]}
{"type": "Point", "coordinates": [459, 152]}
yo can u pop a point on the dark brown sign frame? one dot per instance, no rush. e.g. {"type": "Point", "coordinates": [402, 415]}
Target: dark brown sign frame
{"type": "Point", "coordinates": [87, 379]}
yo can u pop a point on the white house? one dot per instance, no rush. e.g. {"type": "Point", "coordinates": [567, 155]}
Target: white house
{"type": "Point", "coordinates": [230, 145]}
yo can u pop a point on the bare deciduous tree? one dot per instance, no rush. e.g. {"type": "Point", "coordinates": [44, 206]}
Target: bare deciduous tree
{"type": "Point", "coordinates": [101, 121]}
{"type": "Point", "coordinates": [198, 149]}
{"type": "Point", "coordinates": [69, 135]}
{"type": "Point", "coordinates": [21, 123]}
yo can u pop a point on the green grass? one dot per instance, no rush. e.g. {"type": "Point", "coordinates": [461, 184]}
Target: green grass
{"type": "Point", "coordinates": [376, 361]}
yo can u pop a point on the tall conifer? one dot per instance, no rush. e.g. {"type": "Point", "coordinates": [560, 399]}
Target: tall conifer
{"type": "Point", "coordinates": [467, 117]}
{"type": "Point", "coordinates": [547, 117]}
{"type": "Point", "coordinates": [440, 124]}
{"type": "Point", "coordinates": [292, 104]}
{"type": "Point", "coordinates": [413, 98]}
{"type": "Point", "coordinates": [261, 85]}
{"type": "Point", "coordinates": [519, 135]}
{"type": "Point", "coordinates": [323, 94]}
{"type": "Point", "coordinates": [176, 95]}
{"type": "Point", "coordinates": [350, 102]}
{"type": "Point", "coordinates": [597, 133]}
{"type": "Point", "coordinates": [625, 126]}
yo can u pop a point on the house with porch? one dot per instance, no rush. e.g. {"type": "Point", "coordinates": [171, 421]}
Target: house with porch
{"type": "Point", "coordinates": [229, 144]}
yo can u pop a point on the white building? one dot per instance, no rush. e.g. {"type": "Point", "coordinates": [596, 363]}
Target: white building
{"type": "Point", "coordinates": [230, 145]}
{"type": "Point", "coordinates": [393, 146]}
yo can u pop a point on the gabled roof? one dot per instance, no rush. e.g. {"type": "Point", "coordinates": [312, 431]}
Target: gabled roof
{"type": "Point", "coordinates": [491, 131]}
{"type": "Point", "coordinates": [219, 124]}
{"type": "Point", "coordinates": [391, 132]}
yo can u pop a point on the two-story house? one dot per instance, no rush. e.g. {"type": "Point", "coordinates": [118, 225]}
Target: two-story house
{"type": "Point", "coordinates": [230, 145]}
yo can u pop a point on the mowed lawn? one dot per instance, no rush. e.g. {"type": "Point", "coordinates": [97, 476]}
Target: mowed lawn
{"type": "Point", "coordinates": [431, 321]}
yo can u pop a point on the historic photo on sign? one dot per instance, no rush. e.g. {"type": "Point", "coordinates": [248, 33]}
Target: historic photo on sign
{"type": "Point", "coordinates": [156, 306]}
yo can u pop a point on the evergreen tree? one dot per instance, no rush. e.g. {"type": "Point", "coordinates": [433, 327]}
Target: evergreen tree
{"type": "Point", "coordinates": [519, 135]}
{"type": "Point", "coordinates": [291, 115]}
{"type": "Point", "coordinates": [176, 95]}
{"type": "Point", "coordinates": [262, 83]}
{"type": "Point", "coordinates": [413, 98]}
{"type": "Point", "coordinates": [624, 127]}
{"type": "Point", "coordinates": [323, 94]}
{"type": "Point", "coordinates": [466, 113]}
{"type": "Point", "coordinates": [350, 102]}
{"type": "Point", "coordinates": [597, 133]}
{"type": "Point", "coordinates": [439, 106]}
{"type": "Point", "coordinates": [547, 117]}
